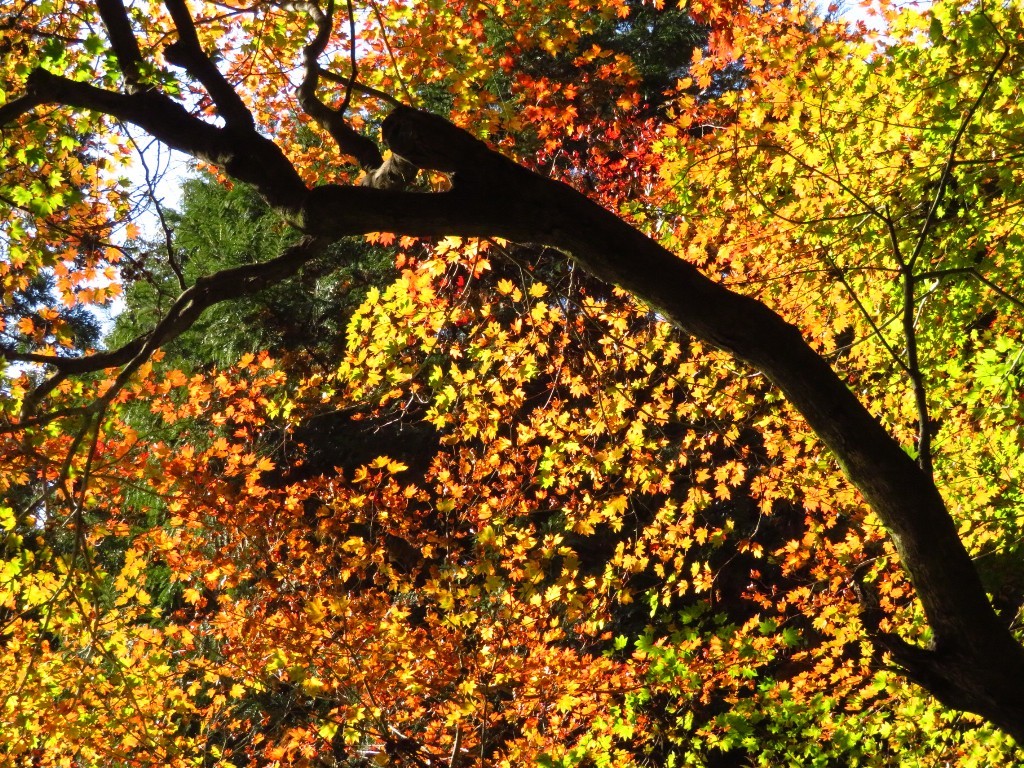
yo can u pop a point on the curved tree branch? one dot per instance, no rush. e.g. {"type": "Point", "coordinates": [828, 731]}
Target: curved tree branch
{"type": "Point", "coordinates": [218, 287]}
{"type": "Point", "coordinates": [349, 141]}
{"type": "Point", "coordinates": [242, 152]}
{"type": "Point", "coordinates": [394, 173]}
{"type": "Point", "coordinates": [211, 289]}
{"type": "Point", "coordinates": [516, 204]}
{"type": "Point", "coordinates": [188, 54]}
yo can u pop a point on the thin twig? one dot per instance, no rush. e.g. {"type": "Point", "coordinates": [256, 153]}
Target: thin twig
{"type": "Point", "coordinates": [353, 63]}
{"type": "Point", "coordinates": [947, 170]}
{"type": "Point", "coordinates": [838, 271]}
{"type": "Point", "coordinates": [172, 258]}
{"type": "Point", "coordinates": [391, 53]}
{"type": "Point", "coordinates": [363, 88]}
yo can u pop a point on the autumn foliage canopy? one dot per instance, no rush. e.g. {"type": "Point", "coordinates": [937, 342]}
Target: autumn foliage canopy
{"type": "Point", "coordinates": [659, 405]}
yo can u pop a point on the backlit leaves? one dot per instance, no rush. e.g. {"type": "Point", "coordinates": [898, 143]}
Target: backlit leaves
{"type": "Point", "coordinates": [540, 525]}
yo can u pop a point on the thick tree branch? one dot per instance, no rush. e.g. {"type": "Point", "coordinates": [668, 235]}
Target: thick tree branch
{"type": "Point", "coordinates": [82, 364]}
{"type": "Point", "coordinates": [505, 200]}
{"type": "Point", "coordinates": [122, 41]}
{"type": "Point", "coordinates": [519, 205]}
{"type": "Point", "coordinates": [22, 105]}
{"type": "Point", "coordinates": [188, 54]}
{"type": "Point", "coordinates": [493, 197]}
{"type": "Point", "coordinates": [431, 142]}
{"type": "Point", "coordinates": [243, 153]}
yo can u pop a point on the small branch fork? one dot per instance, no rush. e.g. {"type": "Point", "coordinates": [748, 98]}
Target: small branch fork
{"type": "Point", "coordinates": [910, 279]}
{"type": "Point", "coordinates": [910, 364]}
{"type": "Point", "coordinates": [395, 172]}
{"type": "Point", "coordinates": [189, 55]}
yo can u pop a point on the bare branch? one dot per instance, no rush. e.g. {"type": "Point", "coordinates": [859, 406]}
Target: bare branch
{"type": "Point", "coordinates": [938, 274]}
{"type": "Point", "coordinates": [518, 205]}
{"type": "Point", "coordinates": [362, 88]}
{"type": "Point", "coordinates": [191, 303]}
{"type": "Point", "coordinates": [172, 257]}
{"type": "Point", "coordinates": [997, 289]}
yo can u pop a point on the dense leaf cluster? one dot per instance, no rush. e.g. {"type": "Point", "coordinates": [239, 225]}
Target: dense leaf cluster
{"type": "Point", "coordinates": [410, 500]}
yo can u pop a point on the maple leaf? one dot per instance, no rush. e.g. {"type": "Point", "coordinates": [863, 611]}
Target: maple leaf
{"type": "Point", "coordinates": [382, 487]}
